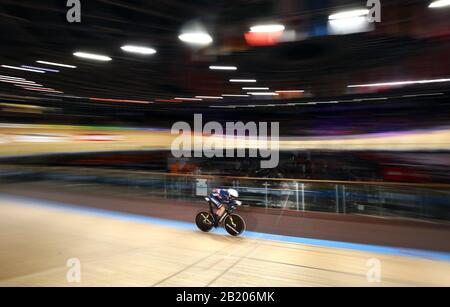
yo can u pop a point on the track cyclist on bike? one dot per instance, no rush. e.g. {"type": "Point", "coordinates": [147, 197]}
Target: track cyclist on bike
{"type": "Point", "coordinates": [223, 198]}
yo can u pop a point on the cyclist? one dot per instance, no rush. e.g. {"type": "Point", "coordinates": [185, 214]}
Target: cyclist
{"type": "Point", "coordinates": [223, 198]}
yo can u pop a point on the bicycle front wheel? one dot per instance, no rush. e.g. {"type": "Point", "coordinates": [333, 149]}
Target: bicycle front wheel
{"type": "Point", "coordinates": [234, 224]}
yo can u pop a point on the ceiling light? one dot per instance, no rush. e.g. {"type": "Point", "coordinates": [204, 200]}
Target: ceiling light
{"type": "Point", "coordinates": [14, 81]}
{"type": "Point", "coordinates": [243, 80]}
{"type": "Point", "coordinates": [18, 83]}
{"type": "Point", "coordinates": [234, 95]}
{"type": "Point", "coordinates": [439, 4]}
{"type": "Point", "coordinates": [92, 56]}
{"type": "Point", "coordinates": [262, 94]}
{"type": "Point", "coordinates": [40, 68]}
{"type": "Point", "coordinates": [56, 64]}
{"type": "Point", "coordinates": [138, 49]}
{"type": "Point", "coordinates": [10, 78]}
{"type": "Point", "coordinates": [267, 28]}
{"type": "Point", "coordinates": [349, 14]}
{"type": "Point", "coordinates": [208, 97]}
{"type": "Point", "coordinates": [119, 100]}
{"type": "Point", "coordinates": [223, 67]}
{"type": "Point", "coordinates": [38, 89]}
{"type": "Point", "coordinates": [25, 69]}
{"type": "Point", "coordinates": [399, 83]}
{"type": "Point", "coordinates": [196, 38]}
{"type": "Point", "coordinates": [290, 91]}
{"type": "Point", "coordinates": [255, 88]}
{"type": "Point", "coordinates": [188, 99]}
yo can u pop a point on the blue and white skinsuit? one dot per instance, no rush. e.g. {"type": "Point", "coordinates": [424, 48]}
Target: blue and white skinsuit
{"type": "Point", "coordinates": [220, 197]}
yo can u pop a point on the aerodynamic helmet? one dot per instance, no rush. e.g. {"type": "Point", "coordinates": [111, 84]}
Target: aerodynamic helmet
{"type": "Point", "coordinates": [233, 193]}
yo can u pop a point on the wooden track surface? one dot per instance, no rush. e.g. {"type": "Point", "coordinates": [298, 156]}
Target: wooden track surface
{"type": "Point", "coordinates": [37, 241]}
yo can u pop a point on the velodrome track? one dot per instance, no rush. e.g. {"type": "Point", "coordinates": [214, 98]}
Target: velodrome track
{"type": "Point", "coordinates": [38, 236]}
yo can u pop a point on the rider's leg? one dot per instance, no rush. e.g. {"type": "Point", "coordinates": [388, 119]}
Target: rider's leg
{"type": "Point", "coordinates": [220, 211]}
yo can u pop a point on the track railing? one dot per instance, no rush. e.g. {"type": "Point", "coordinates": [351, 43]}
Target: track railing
{"type": "Point", "coordinates": [387, 199]}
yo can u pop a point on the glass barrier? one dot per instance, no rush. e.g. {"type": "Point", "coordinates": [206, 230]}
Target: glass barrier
{"type": "Point", "coordinates": [383, 199]}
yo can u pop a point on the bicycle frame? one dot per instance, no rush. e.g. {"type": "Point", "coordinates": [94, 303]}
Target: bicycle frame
{"type": "Point", "coordinates": [227, 220]}
{"type": "Point", "coordinates": [211, 208]}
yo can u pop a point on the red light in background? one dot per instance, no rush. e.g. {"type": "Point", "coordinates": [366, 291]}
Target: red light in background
{"type": "Point", "coordinates": [263, 38]}
{"type": "Point", "coordinates": [288, 94]}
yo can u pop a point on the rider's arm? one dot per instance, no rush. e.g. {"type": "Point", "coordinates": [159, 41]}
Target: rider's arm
{"type": "Point", "coordinates": [224, 195]}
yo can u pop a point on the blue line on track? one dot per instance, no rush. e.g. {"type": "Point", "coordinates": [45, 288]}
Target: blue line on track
{"type": "Point", "coordinates": [395, 251]}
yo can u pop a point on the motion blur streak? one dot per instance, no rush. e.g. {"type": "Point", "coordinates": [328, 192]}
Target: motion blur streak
{"type": "Point", "coordinates": [56, 64]}
{"type": "Point", "coordinates": [103, 157]}
{"type": "Point", "coordinates": [92, 56]}
{"type": "Point", "coordinates": [439, 3]}
{"type": "Point", "coordinates": [25, 69]}
{"type": "Point", "coordinates": [40, 68]}
{"type": "Point", "coordinates": [135, 139]}
{"type": "Point", "coordinates": [119, 100]}
{"type": "Point", "coordinates": [400, 83]}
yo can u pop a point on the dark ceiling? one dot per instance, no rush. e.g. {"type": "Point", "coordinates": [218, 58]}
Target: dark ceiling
{"type": "Point", "coordinates": [38, 30]}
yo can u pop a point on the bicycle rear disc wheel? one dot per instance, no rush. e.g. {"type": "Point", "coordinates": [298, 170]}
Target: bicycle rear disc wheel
{"type": "Point", "coordinates": [204, 221]}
